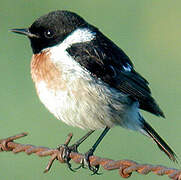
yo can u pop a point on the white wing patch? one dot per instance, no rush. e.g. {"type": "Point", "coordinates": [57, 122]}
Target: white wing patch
{"type": "Point", "coordinates": [127, 68]}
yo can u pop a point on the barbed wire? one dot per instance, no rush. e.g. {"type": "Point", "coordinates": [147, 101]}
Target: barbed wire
{"type": "Point", "coordinates": [125, 167]}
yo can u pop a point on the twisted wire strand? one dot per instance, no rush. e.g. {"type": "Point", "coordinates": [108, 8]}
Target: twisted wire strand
{"type": "Point", "coordinates": [125, 167]}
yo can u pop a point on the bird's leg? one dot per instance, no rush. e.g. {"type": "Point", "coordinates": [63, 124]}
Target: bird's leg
{"type": "Point", "coordinates": [74, 147]}
{"type": "Point", "coordinates": [91, 151]}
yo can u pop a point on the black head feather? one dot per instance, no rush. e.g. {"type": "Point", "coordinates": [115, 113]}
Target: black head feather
{"type": "Point", "coordinates": [53, 28]}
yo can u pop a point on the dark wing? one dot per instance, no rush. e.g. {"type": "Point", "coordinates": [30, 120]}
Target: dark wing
{"type": "Point", "coordinates": [108, 62]}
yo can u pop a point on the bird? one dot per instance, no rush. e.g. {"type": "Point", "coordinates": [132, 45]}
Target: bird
{"type": "Point", "coordinates": [84, 79]}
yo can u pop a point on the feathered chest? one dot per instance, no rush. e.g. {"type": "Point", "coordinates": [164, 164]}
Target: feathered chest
{"type": "Point", "coordinates": [51, 85]}
{"type": "Point", "coordinates": [69, 92]}
{"type": "Point", "coordinates": [44, 70]}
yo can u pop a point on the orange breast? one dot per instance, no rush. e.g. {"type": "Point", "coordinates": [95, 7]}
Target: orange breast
{"type": "Point", "coordinates": [43, 69]}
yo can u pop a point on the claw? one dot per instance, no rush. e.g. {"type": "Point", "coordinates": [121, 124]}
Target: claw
{"type": "Point", "coordinates": [66, 155]}
{"type": "Point", "coordinates": [86, 161]}
{"type": "Point", "coordinates": [70, 167]}
{"type": "Point", "coordinates": [67, 150]}
{"type": "Point", "coordinates": [95, 170]}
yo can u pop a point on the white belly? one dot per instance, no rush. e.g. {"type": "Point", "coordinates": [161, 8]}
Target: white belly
{"type": "Point", "coordinates": [89, 106]}
{"type": "Point", "coordinates": [76, 107]}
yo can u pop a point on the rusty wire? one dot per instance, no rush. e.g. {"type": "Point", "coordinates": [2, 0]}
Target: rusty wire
{"type": "Point", "coordinates": [125, 167]}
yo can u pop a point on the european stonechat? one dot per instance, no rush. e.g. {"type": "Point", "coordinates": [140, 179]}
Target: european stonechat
{"type": "Point", "coordinates": [87, 81]}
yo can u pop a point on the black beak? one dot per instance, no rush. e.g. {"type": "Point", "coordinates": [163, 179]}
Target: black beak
{"type": "Point", "coordinates": [25, 32]}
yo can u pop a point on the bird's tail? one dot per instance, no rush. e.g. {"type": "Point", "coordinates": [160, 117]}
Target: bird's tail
{"type": "Point", "coordinates": [149, 131]}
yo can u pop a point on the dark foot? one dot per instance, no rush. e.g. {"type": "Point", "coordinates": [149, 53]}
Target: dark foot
{"type": "Point", "coordinates": [86, 162]}
{"type": "Point", "coordinates": [66, 155]}
{"type": "Point", "coordinates": [67, 150]}
{"type": "Point", "coordinates": [73, 148]}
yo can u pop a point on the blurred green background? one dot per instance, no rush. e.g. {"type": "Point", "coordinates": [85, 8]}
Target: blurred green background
{"type": "Point", "coordinates": [148, 31]}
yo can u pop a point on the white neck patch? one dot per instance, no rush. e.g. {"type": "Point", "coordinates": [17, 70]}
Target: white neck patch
{"type": "Point", "coordinates": [78, 36]}
{"type": "Point", "coordinates": [60, 56]}
{"type": "Point", "coordinates": [59, 53]}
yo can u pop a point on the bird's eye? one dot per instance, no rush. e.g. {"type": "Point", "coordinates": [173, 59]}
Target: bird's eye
{"type": "Point", "coordinates": [49, 34]}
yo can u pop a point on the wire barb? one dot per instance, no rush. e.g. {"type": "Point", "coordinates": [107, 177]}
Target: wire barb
{"type": "Point", "coordinates": [125, 167]}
